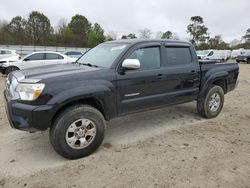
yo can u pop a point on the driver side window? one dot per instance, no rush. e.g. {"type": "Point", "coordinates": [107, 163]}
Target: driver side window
{"type": "Point", "coordinates": [149, 57]}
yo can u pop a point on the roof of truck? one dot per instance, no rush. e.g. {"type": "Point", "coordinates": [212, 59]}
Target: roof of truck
{"type": "Point", "coordinates": [135, 41]}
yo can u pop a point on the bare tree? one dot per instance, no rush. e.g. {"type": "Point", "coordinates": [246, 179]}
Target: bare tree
{"type": "Point", "coordinates": [145, 33]}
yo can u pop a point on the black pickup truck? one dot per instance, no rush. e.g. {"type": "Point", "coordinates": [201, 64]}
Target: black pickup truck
{"type": "Point", "coordinates": [113, 79]}
{"type": "Point", "coordinates": [243, 58]}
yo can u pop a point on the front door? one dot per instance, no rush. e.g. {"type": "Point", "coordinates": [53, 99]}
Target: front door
{"type": "Point", "coordinates": [34, 60]}
{"type": "Point", "coordinates": [140, 89]}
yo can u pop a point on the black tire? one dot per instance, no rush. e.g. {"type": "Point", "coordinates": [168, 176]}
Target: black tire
{"type": "Point", "coordinates": [65, 119]}
{"type": "Point", "coordinates": [203, 102]}
{"type": "Point", "coordinates": [11, 69]}
{"type": "Point", "coordinates": [248, 61]}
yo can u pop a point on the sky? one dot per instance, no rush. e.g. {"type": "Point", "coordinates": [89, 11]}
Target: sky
{"type": "Point", "coordinates": [228, 18]}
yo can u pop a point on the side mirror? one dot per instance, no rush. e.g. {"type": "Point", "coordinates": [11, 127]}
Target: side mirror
{"type": "Point", "coordinates": [131, 64]}
{"type": "Point", "coordinates": [26, 59]}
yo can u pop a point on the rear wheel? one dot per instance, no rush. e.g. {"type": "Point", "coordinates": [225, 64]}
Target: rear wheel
{"type": "Point", "coordinates": [211, 105]}
{"type": "Point", "coordinates": [11, 69]}
{"type": "Point", "coordinates": [248, 61]}
{"type": "Point", "coordinates": [77, 132]}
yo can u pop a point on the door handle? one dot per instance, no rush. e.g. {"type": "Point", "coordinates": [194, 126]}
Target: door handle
{"type": "Point", "coordinates": [161, 76]}
{"type": "Point", "coordinates": [193, 72]}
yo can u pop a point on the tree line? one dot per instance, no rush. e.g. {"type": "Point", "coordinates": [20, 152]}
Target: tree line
{"type": "Point", "coordinates": [79, 32]}
{"type": "Point", "coordinates": [37, 30]}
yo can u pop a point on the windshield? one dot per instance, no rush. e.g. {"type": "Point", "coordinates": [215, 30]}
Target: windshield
{"type": "Point", "coordinates": [102, 55]}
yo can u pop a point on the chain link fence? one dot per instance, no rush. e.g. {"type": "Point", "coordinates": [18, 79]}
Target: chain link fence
{"type": "Point", "coordinates": [24, 50]}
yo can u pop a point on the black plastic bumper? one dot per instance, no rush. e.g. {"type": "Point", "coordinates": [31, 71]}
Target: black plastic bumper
{"type": "Point", "coordinates": [27, 117]}
{"type": "Point", "coordinates": [2, 70]}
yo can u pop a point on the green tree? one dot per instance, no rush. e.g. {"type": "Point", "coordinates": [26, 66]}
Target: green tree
{"type": "Point", "coordinates": [131, 36]}
{"type": "Point", "coordinates": [247, 36]}
{"type": "Point", "coordinates": [197, 30]}
{"type": "Point", "coordinates": [80, 26]}
{"type": "Point", "coordinates": [214, 43]}
{"type": "Point", "coordinates": [38, 28]}
{"type": "Point", "coordinates": [124, 37]}
{"type": "Point", "coordinates": [167, 35]}
{"type": "Point", "coordinates": [96, 35]}
{"type": "Point", "coordinates": [5, 37]}
{"type": "Point", "coordinates": [17, 28]}
{"type": "Point", "coordinates": [109, 38]}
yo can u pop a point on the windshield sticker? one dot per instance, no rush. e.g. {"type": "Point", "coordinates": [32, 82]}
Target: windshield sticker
{"type": "Point", "coordinates": [118, 48]}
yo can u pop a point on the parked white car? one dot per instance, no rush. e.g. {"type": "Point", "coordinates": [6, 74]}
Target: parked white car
{"type": "Point", "coordinates": [11, 55]}
{"type": "Point", "coordinates": [36, 59]}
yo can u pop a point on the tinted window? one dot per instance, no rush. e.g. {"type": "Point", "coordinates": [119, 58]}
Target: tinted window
{"type": "Point", "coordinates": [149, 57]}
{"type": "Point", "coordinates": [5, 52]}
{"type": "Point", "coordinates": [177, 55]}
{"type": "Point", "coordinates": [51, 56]}
{"type": "Point", "coordinates": [73, 53]}
{"type": "Point", "coordinates": [211, 53]}
{"type": "Point", "coordinates": [39, 56]}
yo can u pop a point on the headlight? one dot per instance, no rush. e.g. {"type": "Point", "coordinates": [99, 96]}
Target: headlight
{"type": "Point", "coordinates": [29, 92]}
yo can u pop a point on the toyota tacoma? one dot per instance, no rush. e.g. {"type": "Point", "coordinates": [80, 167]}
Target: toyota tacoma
{"type": "Point", "coordinates": [116, 78]}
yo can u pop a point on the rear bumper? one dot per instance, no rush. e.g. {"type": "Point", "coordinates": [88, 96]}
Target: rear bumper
{"type": "Point", "coordinates": [27, 117]}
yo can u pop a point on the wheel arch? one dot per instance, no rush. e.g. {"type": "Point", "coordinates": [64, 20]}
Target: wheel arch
{"type": "Point", "coordinates": [218, 78]}
{"type": "Point", "coordinates": [91, 101]}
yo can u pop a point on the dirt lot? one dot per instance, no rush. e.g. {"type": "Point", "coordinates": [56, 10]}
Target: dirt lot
{"type": "Point", "coordinates": [171, 147]}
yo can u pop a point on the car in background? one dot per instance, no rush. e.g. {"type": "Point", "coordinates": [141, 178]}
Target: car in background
{"type": "Point", "coordinates": [6, 54]}
{"type": "Point", "coordinates": [244, 57]}
{"type": "Point", "coordinates": [222, 55]}
{"type": "Point", "coordinates": [201, 53]}
{"type": "Point", "coordinates": [74, 54]}
{"type": "Point", "coordinates": [36, 59]}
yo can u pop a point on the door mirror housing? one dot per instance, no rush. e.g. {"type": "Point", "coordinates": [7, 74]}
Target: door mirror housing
{"type": "Point", "coordinates": [131, 64]}
{"type": "Point", "coordinates": [26, 59]}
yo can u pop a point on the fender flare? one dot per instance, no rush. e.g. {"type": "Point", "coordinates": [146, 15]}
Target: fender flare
{"type": "Point", "coordinates": [101, 93]}
{"type": "Point", "coordinates": [222, 75]}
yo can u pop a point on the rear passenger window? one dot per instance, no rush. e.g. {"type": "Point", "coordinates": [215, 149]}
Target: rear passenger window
{"type": "Point", "coordinates": [51, 56]}
{"type": "Point", "coordinates": [149, 57]}
{"type": "Point", "coordinates": [5, 52]}
{"type": "Point", "coordinates": [177, 56]}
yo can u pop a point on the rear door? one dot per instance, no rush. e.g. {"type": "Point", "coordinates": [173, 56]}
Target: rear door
{"type": "Point", "coordinates": [34, 60]}
{"type": "Point", "coordinates": [53, 58]}
{"type": "Point", "coordinates": [182, 73]}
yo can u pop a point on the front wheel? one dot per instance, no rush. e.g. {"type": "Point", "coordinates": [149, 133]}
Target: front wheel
{"type": "Point", "coordinates": [77, 132]}
{"type": "Point", "coordinates": [11, 69]}
{"type": "Point", "coordinates": [211, 104]}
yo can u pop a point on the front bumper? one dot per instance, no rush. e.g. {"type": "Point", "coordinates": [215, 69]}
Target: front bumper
{"type": "Point", "coordinates": [2, 69]}
{"type": "Point", "coordinates": [27, 117]}
{"type": "Point", "coordinates": [241, 59]}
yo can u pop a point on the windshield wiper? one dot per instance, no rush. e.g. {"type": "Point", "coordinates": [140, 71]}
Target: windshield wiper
{"type": "Point", "coordinates": [88, 64]}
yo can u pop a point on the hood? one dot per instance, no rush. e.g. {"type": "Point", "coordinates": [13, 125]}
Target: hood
{"type": "Point", "coordinates": [12, 58]}
{"type": "Point", "coordinates": [52, 71]}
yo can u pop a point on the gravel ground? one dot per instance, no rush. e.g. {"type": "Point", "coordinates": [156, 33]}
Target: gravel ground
{"type": "Point", "coordinates": [170, 147]}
